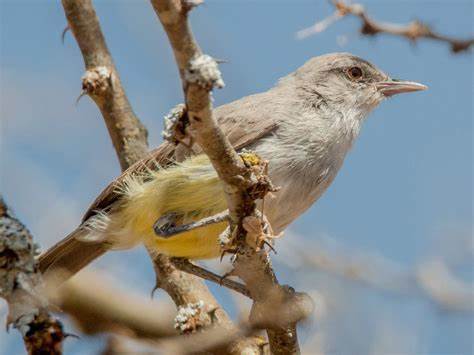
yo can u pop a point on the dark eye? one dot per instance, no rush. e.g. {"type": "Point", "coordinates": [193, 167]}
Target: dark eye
{"type": "Point", "coordinates": [355, 73]}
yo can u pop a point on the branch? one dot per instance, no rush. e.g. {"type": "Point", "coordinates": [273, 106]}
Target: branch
{"type": "Point", "coordinates": [98, 308]}
{"type": "Point", "coordinates": [189, 267]}
{"type": "Point", "coordinates": [121, 344]}
{"type": "Point", "coordinates": [217, 340]}
{"type": "Point", "coordinates": [186, 289]}
{"type": "Point", "coordinates": [412, 31]}
{"type": "Point", "coordinates": [21, 285]}
{"type": "Point", "coordinates": [199, 75]}
{"type": "Point", "coordinates": [102, 83]}
{"type": "Point", "coordinates": [431, 278]}
{"type": "Point", "coordinates": [443, 288]}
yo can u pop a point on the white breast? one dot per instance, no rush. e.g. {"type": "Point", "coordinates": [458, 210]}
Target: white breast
{"type": "Point", "coordinates": [305, 155]}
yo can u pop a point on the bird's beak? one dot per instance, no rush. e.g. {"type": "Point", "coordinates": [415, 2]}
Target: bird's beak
{"type": "Point", "coordinates": [393, 86]}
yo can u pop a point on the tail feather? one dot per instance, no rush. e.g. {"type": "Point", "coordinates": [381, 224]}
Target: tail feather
{"type": "Point", "coordinates": [70, 255]}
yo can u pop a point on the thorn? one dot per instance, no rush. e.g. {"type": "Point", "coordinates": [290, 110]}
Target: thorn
{"type": "Point", "coordinates": [71, 335]}
{"type": "Point", "coordinates": [152, 294]}
{"type": "Point", "coordinates": [83, 93]}
{"type": "Point", "coordinates": [224, 252]}
{"type": "Point", "coordinates": [270, 246]}
{"type": "Point", "coordinates": [63, 34]}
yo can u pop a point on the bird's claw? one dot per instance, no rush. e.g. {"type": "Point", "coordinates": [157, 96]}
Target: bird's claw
{"type": "Point", "coordinates": [170, 224]}
{"type": "Point", "coordinates": [165, 225]}
{"type": "Point", "coordinates": [259, 233]}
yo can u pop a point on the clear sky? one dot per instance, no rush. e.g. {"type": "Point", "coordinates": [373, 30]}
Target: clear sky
{"type": "Point", "coordinates": [404, 193]}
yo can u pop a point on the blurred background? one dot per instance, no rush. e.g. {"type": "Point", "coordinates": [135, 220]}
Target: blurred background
{"type": "Point", "coordinates": [387, 253]}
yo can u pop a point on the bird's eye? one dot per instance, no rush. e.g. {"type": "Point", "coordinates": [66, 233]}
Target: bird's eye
{"type": "Point", "coordinates": [355, 73]}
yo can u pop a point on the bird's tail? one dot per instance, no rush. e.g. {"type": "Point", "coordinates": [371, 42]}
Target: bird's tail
{"type": "Point", "coordinates": [70, 255]}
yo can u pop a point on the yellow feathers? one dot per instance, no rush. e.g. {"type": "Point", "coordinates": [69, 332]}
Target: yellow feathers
{"type": "Point", "coordinates": [191, 190]}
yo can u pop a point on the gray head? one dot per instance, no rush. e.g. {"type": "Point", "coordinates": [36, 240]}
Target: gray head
{"type": "Point", "coordinates": [346, 83]}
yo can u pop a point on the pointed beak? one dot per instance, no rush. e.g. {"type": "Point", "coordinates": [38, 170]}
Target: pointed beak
{"type": "Point", "coordinates": [393, 87]}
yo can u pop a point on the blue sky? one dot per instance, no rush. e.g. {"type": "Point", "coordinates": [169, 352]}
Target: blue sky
{"type": "Point", "coordinates": [403, 194]}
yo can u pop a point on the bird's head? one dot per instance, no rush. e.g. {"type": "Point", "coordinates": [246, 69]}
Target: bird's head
{"type": "Point", "coordinates": [347, 83]}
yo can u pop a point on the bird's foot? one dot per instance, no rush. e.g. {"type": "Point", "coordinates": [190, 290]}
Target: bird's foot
{"type": "Point", "coordinates": [259, 233]}
{"type": "Point", "coordinates": [169, 225]}
{"type": "Point", "coordinates": [166, 225]}
{"type": "Point", "coordinates": [227, 241]}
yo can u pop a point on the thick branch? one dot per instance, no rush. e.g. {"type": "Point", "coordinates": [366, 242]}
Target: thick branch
{"type": "Point", "coordinates": [21, 285]}
{"type": "Point", "coordinates": [217, 340]}
{"type": "Point", "coordinates": [98, 308]}
{"type": "Point", "coordinates": [412, 31]}
{"type": "Point", "coordinates": [199, 74]}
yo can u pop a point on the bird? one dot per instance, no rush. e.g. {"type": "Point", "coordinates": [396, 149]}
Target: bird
{"type": "Point", "coordinates": [304, 127]}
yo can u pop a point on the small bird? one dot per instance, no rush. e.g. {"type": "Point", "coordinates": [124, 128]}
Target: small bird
{"type": "Point", "coordinates": [304, 127]}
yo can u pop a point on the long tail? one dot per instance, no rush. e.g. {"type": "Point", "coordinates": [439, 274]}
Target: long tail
{"type": "Point", "coordinates": [70, 255]}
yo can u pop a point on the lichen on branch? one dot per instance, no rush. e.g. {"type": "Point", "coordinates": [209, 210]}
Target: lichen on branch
{"type": "Point", "coordinates": [21, 286]}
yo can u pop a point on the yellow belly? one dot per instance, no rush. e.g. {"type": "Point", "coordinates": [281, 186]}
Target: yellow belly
{"type": "Point", "coordinates": [191, 190]}
{"type": "Point", "coordinates": [201, 243]}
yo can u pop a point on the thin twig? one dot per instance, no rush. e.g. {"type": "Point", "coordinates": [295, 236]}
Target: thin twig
{"type": "Point", "coordinates": [21, 286]}
{"type": "Point", "coordinates": [186, 266]}
{"type": "Point", "coordinates": [432, 278]}
{"type": "Point", "coordinates": [412, 31]}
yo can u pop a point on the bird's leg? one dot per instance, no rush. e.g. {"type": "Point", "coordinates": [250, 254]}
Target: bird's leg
{"type": "Point", "coordinates": [165, 223]}
{"type": "Point", "coordinates": [166, 226]}
{"type": "Point", "coordinates": [187, 266]}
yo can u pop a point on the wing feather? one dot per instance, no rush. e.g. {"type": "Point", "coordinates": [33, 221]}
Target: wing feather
{"type": "Point", "coordinates": [241, 121]}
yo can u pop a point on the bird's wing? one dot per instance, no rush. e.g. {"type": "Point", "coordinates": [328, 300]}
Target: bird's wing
{"type": "Point", "coordinates": [243, 121]}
